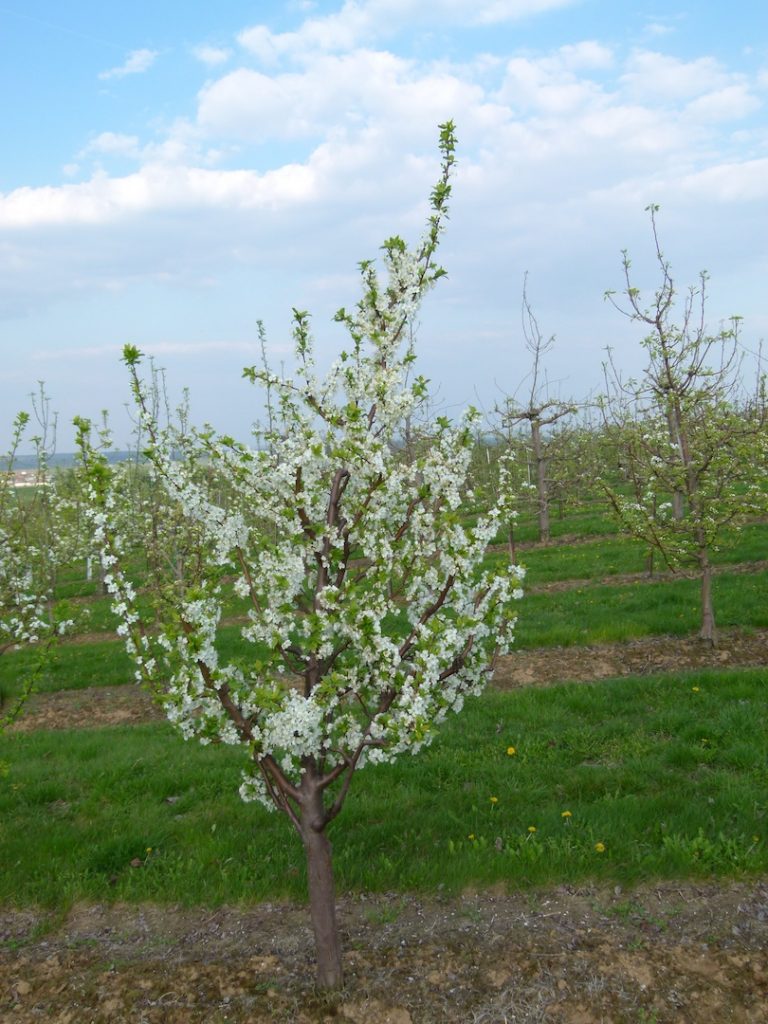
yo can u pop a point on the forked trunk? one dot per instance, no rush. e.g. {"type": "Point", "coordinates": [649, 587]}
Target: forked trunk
{"type": "Point", "coordinates": [322, 897]}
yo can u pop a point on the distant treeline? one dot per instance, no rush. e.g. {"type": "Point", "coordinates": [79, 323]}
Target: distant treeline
{"type": "Point", "coordinates": [64, 460]}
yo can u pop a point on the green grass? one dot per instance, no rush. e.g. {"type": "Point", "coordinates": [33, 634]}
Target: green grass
{"type": "Point", "coordinates": [586, 522]}
{"type": "Point", "coordinates": [590, 560]}
{"type": "Point", "coordinates": [76, 666]}
{"type": "Point", "coordinates": [672, 780]}
{"type": "Point", "coordinates": [603, 614]}
{"type": "Point", "coordinates": [589, 614]}
{"type": "Point", "coordinates": [607, 556]}
{"type": "Point", "coordinates": [72, 666]}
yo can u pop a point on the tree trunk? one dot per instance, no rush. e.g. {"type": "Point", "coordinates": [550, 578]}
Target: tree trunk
{"type": "Point", "coordinates": [511, 545]}
{"type": "Point", "coordinates": [676, 437]}
{"type": "Point", "coordinates": [102, 580]}
{"type": "Point", "coordinates": [650, 561]}
{"type": "Point", "coordinates": [322, 899]}
{"type": "Point", "coordinates": [678, 509]}
{"type": "Point", "coordinates": [707, 611]}
{"type": "Point", "coordinates": [541, 482]}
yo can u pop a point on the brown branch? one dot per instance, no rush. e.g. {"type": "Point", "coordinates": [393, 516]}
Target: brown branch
{"type": "Point", "coordinates": [427, 614]}
{"type": "Point", "coordinates": [280, 789]}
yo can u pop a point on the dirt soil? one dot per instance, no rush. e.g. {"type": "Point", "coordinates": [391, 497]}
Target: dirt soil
{"type": "Point", "coordinates": [688, 954]}
{"type": "Point", "coordinates": [126, 705]}
{"type": "Point", "coordinates": [646, 656]}
{"type": "Point", "coordinates": [672, 953]}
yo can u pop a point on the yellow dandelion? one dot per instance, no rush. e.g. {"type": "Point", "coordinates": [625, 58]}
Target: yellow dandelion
{"type": "Point", "coordinates": [566, 814]}
{"type": "Point", "coordinates": [600, 847]}
{"type": "Point", "coordinates": [532, 829]}
{"type": "Point", "coordinates": [511, 751]}
{"type": "Point", "coordinates": [471, 837]}
{"type": "Point", "coordinates": [494, 799]}
{"type": "Point", "coordinates": [695, 689]}
{"type": "Point", "coordinates": [149, 849]}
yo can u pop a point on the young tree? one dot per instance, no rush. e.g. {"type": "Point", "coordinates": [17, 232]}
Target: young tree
{"type": "Point", "coordinates": [28, 557]}
{"type": "Point", "coordinates": [540, 412]}
{"type": "Point", "coordinates": [695, 461]}
{"type": "Point", "coordinates": [370, 616]}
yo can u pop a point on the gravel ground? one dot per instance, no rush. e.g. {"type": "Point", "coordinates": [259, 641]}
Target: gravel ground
{"type": "Point", "coordinates": [665, 953]}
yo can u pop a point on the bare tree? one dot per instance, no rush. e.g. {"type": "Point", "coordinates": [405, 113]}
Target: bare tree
{"type": "Point", "coordinates": [540, 411]}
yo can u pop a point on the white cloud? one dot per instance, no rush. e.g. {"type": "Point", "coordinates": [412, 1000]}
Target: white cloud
{"type": "Point", "coordinates": [558, 153]}
{"type": "Point", "coordinates": [212, 56]}
{"type": "Point", "coordinates": [544, 86]}
{"type": "Point", "coordinates": [136, 63]}
{"type": "Point", "coordinates": [743, 182]}
{"type": "Point", "coordinates": [335, 92]}
{"type": "Point", "coordinates": [112, 144]}
{"type": "Point", "coordinates": [657, 76]}
{"type": "Point", "coordinates": [731, 103]}
{"type": "Point", "coordinates": [364, 110]}
{"type": "Point", "coordinates": [361, 22]}
{"type": "Point", "coordinates": [105, 200]}
{"type": "Point", "coordinates": [586, 55]}
{"type": "Point", "coordinates": [658, 28]}
{"type": "Point", "coordinates": [492, 12]}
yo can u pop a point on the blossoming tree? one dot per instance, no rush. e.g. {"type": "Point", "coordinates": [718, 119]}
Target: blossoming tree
{"type": "Point", "coordinates": [28, 559]}
{"type": "Point", "coordinates": [370, 616]}
{"type": "Point", "coordinates": [695, 457]}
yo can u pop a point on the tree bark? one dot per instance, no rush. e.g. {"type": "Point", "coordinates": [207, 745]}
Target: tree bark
{"type": "Point", "coordinates": [677, 439]}
{"type": "Point", "coordinates": [707, 610]}
{"type": "Point", "coordinates": [678, 508]}
{"type": "Point", "coordinates": [511, 544]}
{"type": "Point", "coordinates": [541, 482]}
{"type": "Point", "coordinates": [650, 561]}
{"type": "Point", "coordinates": [322, 898]}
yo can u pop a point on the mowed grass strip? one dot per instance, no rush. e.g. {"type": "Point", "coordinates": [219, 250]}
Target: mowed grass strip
{"type": "Point", "coordinates": [623, 780]}
{"type": "Point", "coordinates": [77, 666]}
{"type": "Point", "coordinates": [585, 615]}
{"type": "Point", "coordinates": [71, 666]}
{"type": "Point", "coordinates": [607, 556]}
{"type": "Point", "coordinates": [587, 520]}
{"type": "Point", "coordinates": [611, 614]}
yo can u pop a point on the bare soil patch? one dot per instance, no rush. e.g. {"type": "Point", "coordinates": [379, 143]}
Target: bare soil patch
{"type": "Point", "coordinates": [645, 656]}
{"type": "Point", "coordinates": [98, 706]}
{"type": "Point", "coordinates": [690, 953]}
{"type": "Point", "coordinates": [89, 708]}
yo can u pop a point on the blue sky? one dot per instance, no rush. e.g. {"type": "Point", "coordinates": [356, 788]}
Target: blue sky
{"type": "Point", "coordinates": [173, 172]}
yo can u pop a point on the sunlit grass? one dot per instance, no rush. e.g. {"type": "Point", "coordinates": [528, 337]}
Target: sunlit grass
{"type": "Point", "coordinates": [601, 614]}
{"type": "Point", "coordinates": [588, 614]}
{"type": "Point", "coordinates": [669, 774]}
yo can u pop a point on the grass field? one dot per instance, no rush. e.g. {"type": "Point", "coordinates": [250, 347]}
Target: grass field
{"type": "Point", "coordinates": [654, 777]}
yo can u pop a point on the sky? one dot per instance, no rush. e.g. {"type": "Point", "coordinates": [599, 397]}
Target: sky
{"type": "Point", "coordinates": [172, 173]}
